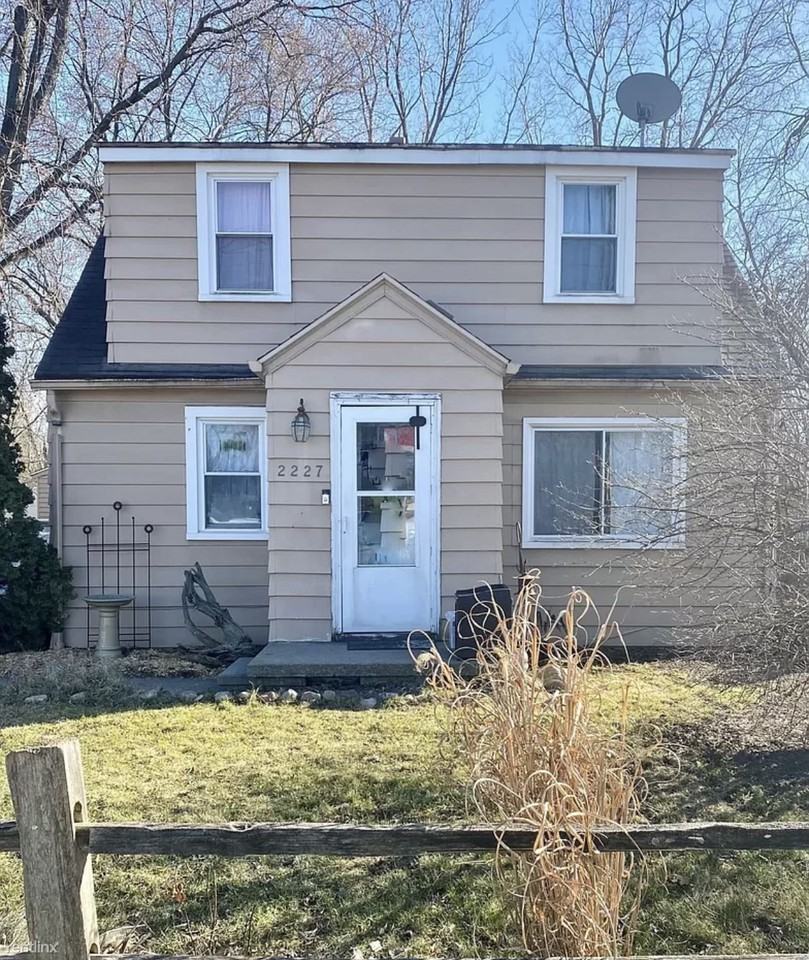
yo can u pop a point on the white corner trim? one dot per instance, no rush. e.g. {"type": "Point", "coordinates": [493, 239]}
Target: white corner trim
{"type": "Point", "coordinates": [376, 154]}
{"type": "Point", "coordinates": [531, 425]}
{"type": "Point", "coordinates": [194, 475]}
{"type": "Point", "coordinates": [207, 175]}
{"type": "Point", "coordinates": [625, 179]}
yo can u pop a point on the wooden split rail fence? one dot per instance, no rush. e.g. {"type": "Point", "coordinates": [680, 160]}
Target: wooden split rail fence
{"type": "Point", "coordinates": [54, 838]}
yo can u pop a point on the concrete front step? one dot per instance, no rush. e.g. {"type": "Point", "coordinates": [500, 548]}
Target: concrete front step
{"type": "Point", "coordinates": [282, 661]}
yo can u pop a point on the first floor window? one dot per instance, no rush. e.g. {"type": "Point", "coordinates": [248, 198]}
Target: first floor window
{"type": "Point", "coordinates": [610, 480]}
{"type": "Point", "coordinates": [226, 472]}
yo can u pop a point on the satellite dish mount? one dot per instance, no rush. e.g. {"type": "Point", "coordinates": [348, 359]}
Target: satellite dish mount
{"type": "Point", "coordinates": [648, 98]}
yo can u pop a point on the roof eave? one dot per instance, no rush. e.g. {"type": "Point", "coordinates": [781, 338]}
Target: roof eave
{"type": "Point", "coordinates": [434, 154]}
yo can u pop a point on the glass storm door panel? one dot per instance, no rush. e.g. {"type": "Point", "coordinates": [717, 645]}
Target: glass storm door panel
{"type": "Point", "coordinates": [388, 519]}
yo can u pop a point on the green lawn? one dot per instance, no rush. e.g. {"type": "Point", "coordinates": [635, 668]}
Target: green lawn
{"type": "Point", "coordinates": [257, 762]}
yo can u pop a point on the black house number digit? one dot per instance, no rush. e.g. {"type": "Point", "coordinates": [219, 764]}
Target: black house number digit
{"type": "Point", "coordinates": [294, 470]}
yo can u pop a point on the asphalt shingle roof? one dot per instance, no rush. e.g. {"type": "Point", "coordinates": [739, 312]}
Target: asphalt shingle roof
{"type": "Point", "coordinates": [78, 347]}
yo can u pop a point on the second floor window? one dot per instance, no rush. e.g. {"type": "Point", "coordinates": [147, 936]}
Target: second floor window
{"type": "Point", "coordinates": [243, 232]}
{"type": "Point", "coordinates": [589, 235]}
{"type": "Point", "coordinates": [589, 238]}
{"type": "Point", "coordinates": [244, 240]}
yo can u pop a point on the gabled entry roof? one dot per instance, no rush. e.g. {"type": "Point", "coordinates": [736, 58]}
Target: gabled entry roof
{"type": "Point", "coordinates": [384, 286]}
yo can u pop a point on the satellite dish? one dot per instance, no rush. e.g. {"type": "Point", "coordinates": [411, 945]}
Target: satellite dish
{"type": "Point", "coordinates": [648, 98]}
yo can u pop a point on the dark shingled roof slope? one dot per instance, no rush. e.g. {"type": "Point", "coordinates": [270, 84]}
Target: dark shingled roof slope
{"type": "Point", "coordinates": [78, 348]}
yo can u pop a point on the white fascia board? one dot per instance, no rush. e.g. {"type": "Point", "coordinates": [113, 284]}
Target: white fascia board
{"type": "Point", "coordinates": [144, 381]}
{"type": "Point", "coordinates": [399, 155]}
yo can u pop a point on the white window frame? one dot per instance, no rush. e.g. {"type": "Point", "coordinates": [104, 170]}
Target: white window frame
{"type": "Point", "coordinates": [625, 181]}
{"type": "Point", "coordinates": [534, 425]}
{"type": "Point", "coordinates": [195, 419]}
{"type": "Point", "coordinates": [277, 175]}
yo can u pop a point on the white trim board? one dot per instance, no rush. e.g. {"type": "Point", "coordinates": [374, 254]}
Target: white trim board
{"type": "Point", "coordinates": [371, 154]}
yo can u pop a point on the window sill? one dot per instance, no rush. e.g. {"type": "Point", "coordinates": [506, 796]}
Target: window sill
{"type": "Point", "coordinates": [598, 543]}
{"type": "Point", "coordinates": [587, 298]}
{"type": "Point", "coordinates": [235, 535]}
{"type": "Point", "coordinates": [280, 297]}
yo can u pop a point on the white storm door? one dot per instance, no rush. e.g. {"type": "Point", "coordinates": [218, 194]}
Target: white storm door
{"type": "Point", "coordinates": [388, 518]}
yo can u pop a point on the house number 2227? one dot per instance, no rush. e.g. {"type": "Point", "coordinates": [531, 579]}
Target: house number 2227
{"type": "Point", "coordinates": [304, 470]}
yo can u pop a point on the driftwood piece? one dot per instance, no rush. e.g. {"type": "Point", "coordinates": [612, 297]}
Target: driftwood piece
{"type": "Point", "coordinates": [198, 596]}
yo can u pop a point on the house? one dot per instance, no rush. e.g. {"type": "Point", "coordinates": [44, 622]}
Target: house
{"type": "Point", "coordinates": [339, 376]}
{"type": "Point", "coordinates": [39, 507]}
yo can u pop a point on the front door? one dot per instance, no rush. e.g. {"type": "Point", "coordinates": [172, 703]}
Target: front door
{"type": "Point", "coordinates": [387, 521]}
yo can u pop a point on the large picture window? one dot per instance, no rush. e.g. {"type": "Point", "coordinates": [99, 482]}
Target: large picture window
{"type": "Point", "coordinates": [243, 232]}
{"type": "Point", "coordinates": [226, 473]}
{"type": "Point", "coordinates": [589, 236]}
{"type": "Point", "coordinates": [602, 482]}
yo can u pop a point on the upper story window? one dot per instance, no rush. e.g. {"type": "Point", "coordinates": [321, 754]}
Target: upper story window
{"type": "Point", "coordinates": [602, 481]}
{"type": "Point", "coordinates": [243, 232]}
{"type": "Point", "coordinates": [589, 236]}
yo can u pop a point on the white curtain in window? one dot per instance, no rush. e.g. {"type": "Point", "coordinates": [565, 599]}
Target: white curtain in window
{"type": "Point", "coordinates": [589, 208]}
{"type": "Point", "coordinates": [566, 482]}
{"type": "Point", "coordinates": [233, 502]}
{"type": "Point", "coordinates": [244, 263]}
{"type": "Point", "coordinates": [243, 206]}
{"type": "Point", "coordinates": [589, 264]}
{"type": "Point", "coordinates": [231, 448]}
{"type": "Point", "coordinates": [640, 489]}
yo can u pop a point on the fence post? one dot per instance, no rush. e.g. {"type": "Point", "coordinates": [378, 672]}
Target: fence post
{"type": "Point", "coordinates": [47, 789]}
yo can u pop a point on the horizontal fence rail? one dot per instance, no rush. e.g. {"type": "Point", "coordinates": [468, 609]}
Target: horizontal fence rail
{"type": "Point", "coordinates": [351, 840]}
{"type": "Point", "coordinates": [55, 840]}
{"type": "Point", "coordinates": [667, 956]}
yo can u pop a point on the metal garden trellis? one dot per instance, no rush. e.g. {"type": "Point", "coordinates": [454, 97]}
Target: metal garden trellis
{"type": "Point", "coordinates": [118, 561]}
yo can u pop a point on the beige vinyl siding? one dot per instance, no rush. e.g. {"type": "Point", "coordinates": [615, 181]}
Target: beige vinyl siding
{"type": "Point", "coordinates": [648, 611]}
{"type": "Point", "coordinates": [39, 482]}
{"type": "Point", "coordinates": [383, 348]}
{"type": "Point", "coordinates": [128, 444]}
{"type": "Point", "coordinates": [470, 240]}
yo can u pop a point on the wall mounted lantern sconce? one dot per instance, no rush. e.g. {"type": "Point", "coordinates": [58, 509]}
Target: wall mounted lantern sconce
{"type": "Point", "coordinates": [301, 424]}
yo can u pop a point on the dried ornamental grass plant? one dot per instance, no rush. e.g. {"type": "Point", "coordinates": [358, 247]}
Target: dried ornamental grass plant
{"type": "Point", "coordinates": [538, 756]}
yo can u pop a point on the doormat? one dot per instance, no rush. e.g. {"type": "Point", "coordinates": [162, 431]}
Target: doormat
{"type": "Point", "coordinates": [385, 641]}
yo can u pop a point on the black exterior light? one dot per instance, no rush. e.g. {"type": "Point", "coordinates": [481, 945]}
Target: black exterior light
{"type": "Point", "coordinates": [301, 424]}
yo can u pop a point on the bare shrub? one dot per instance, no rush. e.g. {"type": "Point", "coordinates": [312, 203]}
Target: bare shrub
{"type": "Point", "coordinates": [539, 755]}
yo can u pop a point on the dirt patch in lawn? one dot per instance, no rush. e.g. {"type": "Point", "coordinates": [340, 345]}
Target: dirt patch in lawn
{"type": "Point", "coordinates": [16, 667]}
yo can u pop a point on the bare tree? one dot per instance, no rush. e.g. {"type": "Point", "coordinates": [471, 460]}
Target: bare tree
{"type": "Point", "coordinates": [742, 579]}
{"type": "Point", "coordinates": [526, 104]}
{"type": "Point", "coordinates": [424, 66]}
{"type": "Point", "coordinates": [599, 39]}
{"type": "Point", "coordinates": [78, 72]}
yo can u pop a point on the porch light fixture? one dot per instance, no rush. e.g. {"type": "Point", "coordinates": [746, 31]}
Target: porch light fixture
{"type": "Point", "coordinates": [301, 424]}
